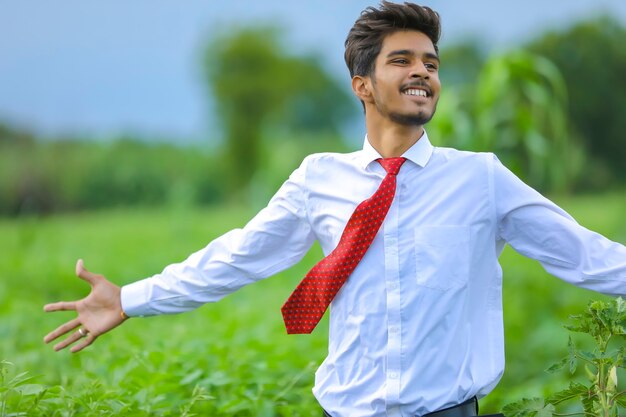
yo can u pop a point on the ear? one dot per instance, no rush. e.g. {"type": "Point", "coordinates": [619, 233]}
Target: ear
{"type": "Point", "coordinates": [362, 87]}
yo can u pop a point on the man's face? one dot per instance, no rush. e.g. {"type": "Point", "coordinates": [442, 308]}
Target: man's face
{"type": "Point", "coordinates": [405, 82]}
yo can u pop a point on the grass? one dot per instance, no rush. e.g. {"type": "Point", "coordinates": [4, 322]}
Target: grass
{"type": "Point", "coordinates": [230, 358]}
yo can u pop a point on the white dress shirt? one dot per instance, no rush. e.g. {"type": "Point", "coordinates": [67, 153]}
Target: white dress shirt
{"type": "Point", "coordinates": [418, 325]}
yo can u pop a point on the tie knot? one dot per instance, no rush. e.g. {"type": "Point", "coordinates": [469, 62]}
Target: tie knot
{"type": "Point", "coordinates": [392, 165]}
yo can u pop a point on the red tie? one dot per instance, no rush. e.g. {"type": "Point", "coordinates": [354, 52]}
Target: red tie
{"type": "Point", "coordinates": [307, 304]}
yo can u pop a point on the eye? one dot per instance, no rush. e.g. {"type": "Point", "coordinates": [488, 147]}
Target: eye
{"type": "Point", "coordinates": [430, 66]}
{"type": "Point", "coordinates": [401, 61]}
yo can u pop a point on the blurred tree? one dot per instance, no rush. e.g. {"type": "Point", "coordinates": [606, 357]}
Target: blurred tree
{"type": "Point", "coordinates": [518, 109]}
{"type": "Point", "coordinates": [11, 135]}
{"type": "Point", "coordinates": [461, 63]}
{"type": "Point", "coordinates": [260, 89]}
{"type": "Point", "coordinates": [521, 111]}
{"type": "Point", "coordinates": [592, 58]}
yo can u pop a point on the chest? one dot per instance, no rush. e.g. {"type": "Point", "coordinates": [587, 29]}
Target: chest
{"type": "Point", "coordinates": [424, 198]}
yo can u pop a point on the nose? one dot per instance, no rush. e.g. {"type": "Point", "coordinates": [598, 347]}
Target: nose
{"type": "Point", "coordinates": [419, 70]}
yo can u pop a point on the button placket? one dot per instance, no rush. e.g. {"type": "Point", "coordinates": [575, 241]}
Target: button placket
{"type": "Point", "coordinates": [392, 280]}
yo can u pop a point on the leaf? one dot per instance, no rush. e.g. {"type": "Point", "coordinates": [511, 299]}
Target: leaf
{"type": "Point", "coordinates": [619, 360]}
{"type": "Point", "coordinates": [588, 404]}
{"type": "Point", "coordinates": [218, 378]}
{"type": "Point", "coordinates": [19, 379]}
{"type": "Point", "coordinates": [533, 407]}
{"type": "Point", "coordinates": [546, 411]}
{"type": "Point", "coordinates": [558, 366]}
{"type": "Point", "coordinates": [590, 356]}
{"type": "Point", "coordinates": [30, 389]}
{"type": "Point", "coordinates": [577, 326]}
{"type": "Point", "coordinates": [611, 383]}
{"type": "Point", "coordinates": [617, 329]}
{"type": "Point", "coordinates": [593, 377]}
{"type": "Point", "coordinates": [573, 362]}
{"type": "Point", "coordinates": [575, 389]}
{"type": "Point", "coordinates": [191, 377]}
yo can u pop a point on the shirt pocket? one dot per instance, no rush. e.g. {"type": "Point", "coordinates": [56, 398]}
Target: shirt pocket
{"type": "Point", "coordinates": [442, 256]}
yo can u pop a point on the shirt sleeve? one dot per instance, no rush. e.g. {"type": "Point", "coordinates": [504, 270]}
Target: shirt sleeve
{"type": "Point", "coordinates": [275, 239]}
{"type": "Point", "coordinates": [539, 229]}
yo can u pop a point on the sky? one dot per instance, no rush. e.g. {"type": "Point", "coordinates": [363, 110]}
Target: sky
{"type": "Point", "coordinates": [106, 68]}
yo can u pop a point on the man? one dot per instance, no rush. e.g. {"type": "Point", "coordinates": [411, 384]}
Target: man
{"type": "Point", "coordinates": [417, 327]}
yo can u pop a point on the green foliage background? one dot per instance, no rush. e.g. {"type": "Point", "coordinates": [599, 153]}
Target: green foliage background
{"type": "Point", "coordinates": [592, 59]}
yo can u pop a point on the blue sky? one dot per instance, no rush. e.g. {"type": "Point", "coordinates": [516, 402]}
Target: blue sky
{"type": "Point", "coordinates": [102, 68]}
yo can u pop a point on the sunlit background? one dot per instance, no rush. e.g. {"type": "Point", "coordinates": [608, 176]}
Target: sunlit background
{"type": "Point", "coordinates": [134, 132]}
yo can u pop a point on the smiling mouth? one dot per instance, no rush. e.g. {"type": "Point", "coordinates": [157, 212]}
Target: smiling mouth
{"type": "Point", "coordinates": [416, 92]}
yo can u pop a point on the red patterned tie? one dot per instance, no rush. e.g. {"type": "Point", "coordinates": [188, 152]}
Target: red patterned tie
{"type": "Point", "coordinates": [307, 304]}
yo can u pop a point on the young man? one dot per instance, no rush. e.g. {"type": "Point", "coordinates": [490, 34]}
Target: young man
{"type": "Point", "coordinates": [413, 274]}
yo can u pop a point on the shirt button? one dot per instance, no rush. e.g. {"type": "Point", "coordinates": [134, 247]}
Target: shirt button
{"type": "Point", "coordinates": [394, 329]}
{"type": "Point", "coordinates": [393, 285]}
{"type": "Point", "coordinates": [393, 375]}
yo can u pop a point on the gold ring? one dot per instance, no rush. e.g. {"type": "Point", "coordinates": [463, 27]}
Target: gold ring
{"type": "Point", "coordinates": [83, 332]}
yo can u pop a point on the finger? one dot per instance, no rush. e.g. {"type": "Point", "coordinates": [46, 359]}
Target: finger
{"type": "Point", "coordinates": [89, 339]}
{"type": "Point", "coordinates": [68, 341]}
{"type": "Point", "coordinates": [60, 306]}
{"type": "Point", "coordinates": [82, 272]}
{"type": "Point", "coordinates": [61, 330]}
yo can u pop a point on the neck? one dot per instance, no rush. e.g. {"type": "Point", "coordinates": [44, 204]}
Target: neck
{"type": "Point", "coordinates": [391, 139]}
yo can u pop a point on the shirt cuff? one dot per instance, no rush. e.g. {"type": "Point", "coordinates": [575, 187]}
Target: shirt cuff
{"type": "Point", "coordinates": [134, 300]}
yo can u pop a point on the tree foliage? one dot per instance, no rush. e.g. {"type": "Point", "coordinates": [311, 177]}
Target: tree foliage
{"type": "Point", "coordinates": [521, 110]}
{"type": "Point", "coordinates": [517, 108]}
{"type": "Point", "coordinates": [592, 58]}
{"type": "Point", "coordinates": [42, 177]}
{"type": "Point", "coordinates": [259, 88]}
{"type": "Point", "coordinates": [461, 63]}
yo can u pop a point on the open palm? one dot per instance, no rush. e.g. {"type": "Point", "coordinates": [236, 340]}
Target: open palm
{"type": "Point", "coordinates": [98, 313]}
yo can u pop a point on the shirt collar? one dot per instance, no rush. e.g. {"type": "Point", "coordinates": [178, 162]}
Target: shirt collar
{"type": "Point", "coordinates": [419, 153]}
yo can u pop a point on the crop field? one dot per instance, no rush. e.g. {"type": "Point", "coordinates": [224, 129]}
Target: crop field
{"type": "Point", "coordinates": [232, 358]}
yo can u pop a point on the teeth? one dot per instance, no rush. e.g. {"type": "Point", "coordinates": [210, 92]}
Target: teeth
{"type": "Point", "coordinates": [416, 92]}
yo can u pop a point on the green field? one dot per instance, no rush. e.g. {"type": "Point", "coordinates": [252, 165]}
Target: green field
{"type": "Point", "coordinates": [232, 358]}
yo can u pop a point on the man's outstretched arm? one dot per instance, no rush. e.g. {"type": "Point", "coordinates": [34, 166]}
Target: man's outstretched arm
{"type": "Point", "coordinates": [98, 313]}
{"type": "Point", "coordinates": [538, 229]}
{"type": "Point", "coordinates": [275, 239]}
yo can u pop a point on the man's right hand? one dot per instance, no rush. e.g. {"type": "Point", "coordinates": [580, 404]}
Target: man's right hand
{"type": "Point", "coordinates": [98, 313]}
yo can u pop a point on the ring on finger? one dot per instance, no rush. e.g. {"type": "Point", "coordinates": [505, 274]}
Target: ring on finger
{"type": "Point", "coordinates": [83, 332]}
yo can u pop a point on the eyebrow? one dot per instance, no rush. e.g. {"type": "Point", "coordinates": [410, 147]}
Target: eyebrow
{"type": "Point", "coordinates": [404, 52]}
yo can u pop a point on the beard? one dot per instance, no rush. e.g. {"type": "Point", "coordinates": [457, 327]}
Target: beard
{"type": "Point", "coordinates": [419, 118]}
{"type": "Point", "coordinates": [409, 119]}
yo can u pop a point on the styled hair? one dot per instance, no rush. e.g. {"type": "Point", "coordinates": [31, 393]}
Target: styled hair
{"type": "Point", "coordinates": [365, 39]}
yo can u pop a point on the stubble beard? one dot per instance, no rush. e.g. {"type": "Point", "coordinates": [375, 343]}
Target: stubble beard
{"type": "Point", "coordinates": [419, 119]}
{"type": "Point", "coordinates": [407, 119]}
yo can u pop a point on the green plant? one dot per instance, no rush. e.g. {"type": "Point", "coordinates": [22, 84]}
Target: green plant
{"type": "Point", "coordinates": [600, 396]}
{"type": "Point", "coordinates": [242, 359]}
{"type": "Point", "coordinates": [18, 393]}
